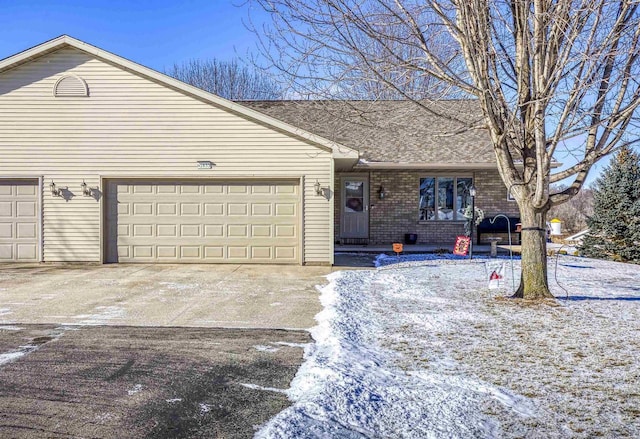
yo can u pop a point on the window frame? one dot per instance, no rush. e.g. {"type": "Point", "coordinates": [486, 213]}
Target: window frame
{"type": "Point", "coordinates": [455, 178]}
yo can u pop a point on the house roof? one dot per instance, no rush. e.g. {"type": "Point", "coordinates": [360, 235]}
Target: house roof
{"type": "Point", "coordinates": [340, 152]}
{"type": "Point", "coordinates": [401, 134]}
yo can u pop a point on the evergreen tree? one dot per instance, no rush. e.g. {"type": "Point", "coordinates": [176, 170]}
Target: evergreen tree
{"type": "Point", "coordinates": [614, 227]}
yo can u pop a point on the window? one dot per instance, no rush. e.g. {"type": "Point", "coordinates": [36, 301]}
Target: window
{"type": "Point", "coordinates": [444, 198]}
{"type": "Point", "coordinates": [354, 196]}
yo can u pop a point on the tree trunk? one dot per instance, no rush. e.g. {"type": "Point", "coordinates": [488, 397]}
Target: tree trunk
{"type": "Point", "coordinates": [534, 284]}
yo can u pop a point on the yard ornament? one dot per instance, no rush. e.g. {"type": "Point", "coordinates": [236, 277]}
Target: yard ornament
{"type": "Point", "coordinates": [495, 271]}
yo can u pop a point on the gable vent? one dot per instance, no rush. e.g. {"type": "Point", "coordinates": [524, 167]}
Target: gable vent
{"type": "Point", "coordinates": [70, 86]}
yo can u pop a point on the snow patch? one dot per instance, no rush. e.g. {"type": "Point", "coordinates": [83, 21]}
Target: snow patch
{"type": "Point", "coordinates": [103, 315]}
{"type": "Point", "coordinates": [292, 345]}
{"type": "Point", "coordinates": [9, 357]}
{"type": "Point", "coordinates": [268, 389]}
{"type": "Point", "coordinates": [179, 286]}
{"type": "Point", "coordinates": [10, 328]}
{"type": "Point", "coordinates": [265, 348]}
{"type": "Point", "coordinates": [136, 389]}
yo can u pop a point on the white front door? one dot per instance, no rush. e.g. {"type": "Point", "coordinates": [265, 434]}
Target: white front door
{"type": "Point", "coordinates": [355, 207]}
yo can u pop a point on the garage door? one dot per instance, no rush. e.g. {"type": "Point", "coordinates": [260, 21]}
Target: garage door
{"type": "Point", "coordinates": [203, 222]}
{"type": "Point", "coordinates": [19, 221]}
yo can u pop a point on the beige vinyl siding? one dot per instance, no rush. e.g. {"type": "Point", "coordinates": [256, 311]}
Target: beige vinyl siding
{"type": "Point", "coordinates": [130, 126]}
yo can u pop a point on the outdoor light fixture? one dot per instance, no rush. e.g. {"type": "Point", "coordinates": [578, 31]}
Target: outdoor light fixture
{"type": "Point", "coordinates": [54, 190]}
{"type": "Point", "coordinates": [472, 191]}
{"type": "Point", "coordinates": [382, 193]}
{"type": "Point", "coordinates": [86, 190]}
{"type": "Point", "coordinates": [318, 188]}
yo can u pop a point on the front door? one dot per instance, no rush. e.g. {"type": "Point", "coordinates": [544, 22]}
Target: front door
{"type": "Point", "coordinates": [355, 207]}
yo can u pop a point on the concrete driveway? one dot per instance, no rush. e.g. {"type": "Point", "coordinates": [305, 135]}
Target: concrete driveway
{"type": "Point", "coordinates": [226, 296]}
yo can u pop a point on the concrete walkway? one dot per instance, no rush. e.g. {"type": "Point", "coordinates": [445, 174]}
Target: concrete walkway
{"type": "Point", "coordinates": [226, 296]}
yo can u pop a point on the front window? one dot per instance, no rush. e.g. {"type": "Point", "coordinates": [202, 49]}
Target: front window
{"type": "Point", "coordinates": [444, 198]}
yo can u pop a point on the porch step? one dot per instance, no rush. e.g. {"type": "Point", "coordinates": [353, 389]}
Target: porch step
{"type": "Point", "coordinates": [354, 241]}
{"type": "Point", "coordinates": [420, 248]}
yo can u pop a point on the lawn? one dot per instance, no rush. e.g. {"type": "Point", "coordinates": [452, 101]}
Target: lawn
{"type": "Point", "coordinates": [423, 348]}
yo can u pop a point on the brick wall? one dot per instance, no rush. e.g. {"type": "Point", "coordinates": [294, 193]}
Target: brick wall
{"type": "Point", "coordinates": [397, 213]}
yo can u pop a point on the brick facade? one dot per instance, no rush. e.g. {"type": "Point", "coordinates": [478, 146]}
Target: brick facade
{"type": "Point", "coordinates": [397, 213]}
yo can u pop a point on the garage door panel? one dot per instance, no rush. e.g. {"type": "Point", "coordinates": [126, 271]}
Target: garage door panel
{"type": "Point", "coordinates": [191, 230]}
{"type": "Point", "coordinates": [214, 230]}
{"type": "Point", "coordinates": [19, 220]}
{"type": "Point", "coordinates": [190, 209]}
{"type": "Point", "coordinates": [167, 209]}
{"type": "Point", "coordinates": [29, 190]}
{"type": "Point", "coordinates": [288, 209]}
{"type": "Point", "coordinates": [214, 252]}
{"type": "Point", "coordinates": [143, 251]}
{"type": "Point", "coordinates": [285, 252]}
{"type": "Point", "coordinates": [214, 209]}
{"type": "Point", "coordinates": [6, 252]}
{"type": "Point", "coordinates": [26, 230]}
{"type": "Point", "coordinates": [27, 252]}
{"type": "Point", "coordinates": [284, 231]}
{"type": "Point", "coordinates": [6, 209]}
{"type": "Point", "coordinates": [237, 189]}
{"type": "Point", "coordinates": [203, 222]}
{"type": "Point", "coordinates": [166, 189]}
{"type": "Point", "coordinates": [166, 230]}
{"type": "Point", "coordinates": [167, 252]}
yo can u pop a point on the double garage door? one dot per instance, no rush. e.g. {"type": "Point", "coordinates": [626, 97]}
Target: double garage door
{"type": "Point", "coordinates": [19, 221]}
{"type": "Point", "coordinates": [202, 221]}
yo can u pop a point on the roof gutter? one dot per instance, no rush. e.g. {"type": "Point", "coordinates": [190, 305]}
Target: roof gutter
{"type": "Point", "coordinates": [427, 165]}
{"type": "Point", "coordinates": [436, 166]}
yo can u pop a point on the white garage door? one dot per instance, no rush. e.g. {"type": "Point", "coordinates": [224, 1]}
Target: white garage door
{"type": "Point", "coordinates": [203, 222]}
{"type": "Point", "coordinates": [19, 221]}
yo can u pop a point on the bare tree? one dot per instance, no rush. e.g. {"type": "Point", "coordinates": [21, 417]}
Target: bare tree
{"type": "Point", "coordinates": [551, 76]}
{"type": "Point", "coordinates": [227, 79]}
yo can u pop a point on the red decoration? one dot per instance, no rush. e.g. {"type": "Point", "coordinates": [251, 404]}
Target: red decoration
{"type": "Point", "coordinates": [461, 248]}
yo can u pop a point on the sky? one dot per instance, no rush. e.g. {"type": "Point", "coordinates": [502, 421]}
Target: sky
{"type": "Point", "coordinates": [156, 34]}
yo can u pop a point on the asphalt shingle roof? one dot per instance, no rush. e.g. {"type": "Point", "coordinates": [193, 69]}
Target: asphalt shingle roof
{"type": "Point", "coordinates": [450, 131]}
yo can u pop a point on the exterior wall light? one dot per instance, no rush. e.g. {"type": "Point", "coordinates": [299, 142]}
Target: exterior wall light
{"type": "Point", "coordinates": [86, 190]}
{"type": "Point", "coordinates": [318, 188]}
{"type": "Point", "coordinates": [382, 193]}
{"type": "Point", "coordinates": [55, 191]}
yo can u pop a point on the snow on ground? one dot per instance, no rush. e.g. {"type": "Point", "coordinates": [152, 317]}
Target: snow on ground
{"type": "Point", "coordinates": [421, 348]}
